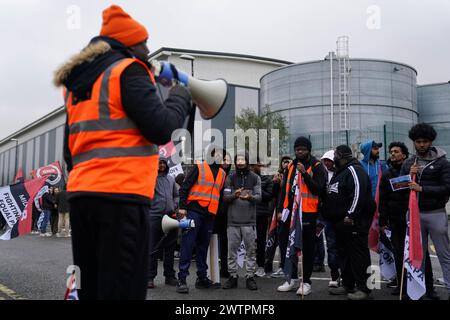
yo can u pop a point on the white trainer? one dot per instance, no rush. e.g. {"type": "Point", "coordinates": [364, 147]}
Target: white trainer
{"type": "Point", "coordinates": [306, 287]}
{"type": "Point", "coordinates": [260, 272]}
{"type": "Point", "coordinates": [287, 286]}
{"type": "Point", "coordinates": [278, 274]}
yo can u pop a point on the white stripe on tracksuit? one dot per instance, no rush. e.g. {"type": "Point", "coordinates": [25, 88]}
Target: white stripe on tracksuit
{"type": "Point", "coordinates": [356, 197]}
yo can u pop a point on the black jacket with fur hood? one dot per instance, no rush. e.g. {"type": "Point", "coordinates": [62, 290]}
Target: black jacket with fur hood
{"type": "Point", "coordinates": [155, 120]}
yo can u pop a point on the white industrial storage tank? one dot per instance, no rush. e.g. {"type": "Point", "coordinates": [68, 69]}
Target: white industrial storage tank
{"type": "Point", "coordinates": [433, 101]}
{"type": "Point", "coordinates": [341, 100]}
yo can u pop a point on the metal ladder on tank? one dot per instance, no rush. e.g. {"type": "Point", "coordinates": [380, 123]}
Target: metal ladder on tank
{"type": "Point", "coordinates": [342, 53]}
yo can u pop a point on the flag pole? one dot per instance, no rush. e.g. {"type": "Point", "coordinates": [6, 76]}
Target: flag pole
{"type": "Point", "coordinates": [303, 287]}
{"type": "Point", "coordinates": [401, 281]}
{"type": "Point", "coordinates": [403, 262]}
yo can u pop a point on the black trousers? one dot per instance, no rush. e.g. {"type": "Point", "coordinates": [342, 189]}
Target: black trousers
{"type": "Point", "coordinates": [220, 228]}
{"type": "Point", "coordinates": [398, 229]}
{"type": "Point", "coordinates": [354, 255]}
{"type": "Point", "coordinates": [110, 246]}
{"type": "Point", "coordinates": [262, 222]}
{"type": "Point", "coordinates": [270, 253]}
{"type": "Point", "coordinates": [308, 245]}
{"type": "Point", "coordinates": [54, 217]}
{"type": "Point", "coordinates": [158, 244]}
{"type": "Point", "coordinates": [283, 237]}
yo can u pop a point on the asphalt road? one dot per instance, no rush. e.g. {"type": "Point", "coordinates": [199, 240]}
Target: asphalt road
{"type": "Point", "coordinates": [33, 267]}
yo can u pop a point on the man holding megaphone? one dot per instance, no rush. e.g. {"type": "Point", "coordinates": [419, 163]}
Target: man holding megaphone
{"type": "Point", "coordinates": [114, 125]}
{"type": "Point", "coordinates": [199, 201]}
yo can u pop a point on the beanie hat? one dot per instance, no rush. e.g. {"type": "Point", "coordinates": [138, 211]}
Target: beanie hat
{"type": "Point", "coordinates": [118, 24]}
{"type": "Point", "coordinates": [303, 142]}
{"type": "Point", "coordinates": [345, 151]}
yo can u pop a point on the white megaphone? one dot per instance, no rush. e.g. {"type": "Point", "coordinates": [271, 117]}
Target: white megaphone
{"type": "Point", "coordinates": [209, 96]}
{"type": "Point", "coordinates": [168, 224]}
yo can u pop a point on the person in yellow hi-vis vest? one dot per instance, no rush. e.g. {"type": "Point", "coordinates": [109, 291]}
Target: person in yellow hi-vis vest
{"type": "Point", "coordinates": [115, 122]}
{"type": "Point", "coordinates": [313, 175]}
{"type": "Point", "coordinates": [199, 201]}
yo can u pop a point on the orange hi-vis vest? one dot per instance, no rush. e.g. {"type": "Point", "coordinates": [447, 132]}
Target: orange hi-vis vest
{"type": "Point", "coordinates": [206, 191]}
{"type": "Point", "coordinates": [310, 202]}
{"type": "Point", "coordinates": [109, 154]}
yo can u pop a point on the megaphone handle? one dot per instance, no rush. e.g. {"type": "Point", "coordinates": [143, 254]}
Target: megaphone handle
{"type": "Point", "coordinates": [158, 246]}
{"type": "Point", "coordinates": [191, 123]}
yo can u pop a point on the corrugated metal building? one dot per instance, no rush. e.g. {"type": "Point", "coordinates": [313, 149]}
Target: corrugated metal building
{"type": "Point", "coordinates": [40, 143]}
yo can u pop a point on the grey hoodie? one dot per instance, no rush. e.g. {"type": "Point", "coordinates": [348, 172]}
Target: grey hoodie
{"type": "Point", "coordinates": [434, 178]}
{"type": "Point", "coordinates": [242, 212]}
{"type": "Point", "coordinates": [166, 196]}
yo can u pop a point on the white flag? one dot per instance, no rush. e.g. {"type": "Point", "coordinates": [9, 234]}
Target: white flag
{"type": "Point", "coordinates": [415, 278]}
{"type": "Point", "coordinates": [241, 255]}
{"type": "Point", "coordinates": [387, 261]}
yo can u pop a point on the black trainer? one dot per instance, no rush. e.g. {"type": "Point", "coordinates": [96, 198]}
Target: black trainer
{"type": "Point", "coordinates": [203, 283]}
{"type": "Point", "coordinates": [396, 291]}
{"type": "Point", "coordinates": [432, 295]}
{"type": "Point", "coordinates": [182, 286]}
{"type": "Point", "coordinates": [250, 283]}
{"type": "Point", "coordinates": [318, 268]}
{"type": "Point", "coordinates": [224, 274]}
{"type": "Point", "coordinates": [231, 283]}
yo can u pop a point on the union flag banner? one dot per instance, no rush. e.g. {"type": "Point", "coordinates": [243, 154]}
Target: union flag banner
{"type": "Point", "coordinates": [16, 206]}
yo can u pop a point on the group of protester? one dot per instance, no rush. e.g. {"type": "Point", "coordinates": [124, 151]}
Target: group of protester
{"type": "Point", "coordinates": [111, 153]}
{"type": "Point", "coordinates": [337, 194]}
{"type": "Point", "coordinates": [51, 213]}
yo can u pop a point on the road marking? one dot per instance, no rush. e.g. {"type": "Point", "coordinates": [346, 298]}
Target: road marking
{"type": "Point", "coordinates": [382, 281]}
{"type": "Point", "coordinates": [10, 293]}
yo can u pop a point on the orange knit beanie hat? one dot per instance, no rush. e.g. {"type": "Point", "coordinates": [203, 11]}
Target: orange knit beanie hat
{"type": "Point", "coordinates": [118, 24]}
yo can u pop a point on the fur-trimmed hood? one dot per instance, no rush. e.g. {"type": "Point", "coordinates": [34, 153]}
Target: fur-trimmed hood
{"type": "Point", "coordinates": [79, 73]}
{"type": "Point", "coordinates": [87, 55]}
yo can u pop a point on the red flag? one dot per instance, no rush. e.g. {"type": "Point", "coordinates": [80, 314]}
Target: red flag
{"type": "Point", "coordinates": [415, 241]}
{"type": "Point", "coordinates": [53, 172]}
{"type": "Point", "coordinates": [374, 232]}
{"type": "Point", "coordinates": [32, 187]}
{"type": "Point", "coordinates": [19, 175]}
{"type": "Point", "coordinates": [167, 150]}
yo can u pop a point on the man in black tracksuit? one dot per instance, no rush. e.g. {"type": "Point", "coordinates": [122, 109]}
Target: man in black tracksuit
{"type": "Point", "coordinates": [349, 207]}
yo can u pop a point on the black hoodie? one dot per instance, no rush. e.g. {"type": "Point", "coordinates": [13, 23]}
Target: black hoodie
{"type": "Point", "coordinates": [393, 204]}
{"type": "Point", "coordinates": [349, 193]}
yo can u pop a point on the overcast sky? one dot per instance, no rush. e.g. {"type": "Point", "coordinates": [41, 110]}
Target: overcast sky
{"type": "Point", "coordinates": [37, 36]}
